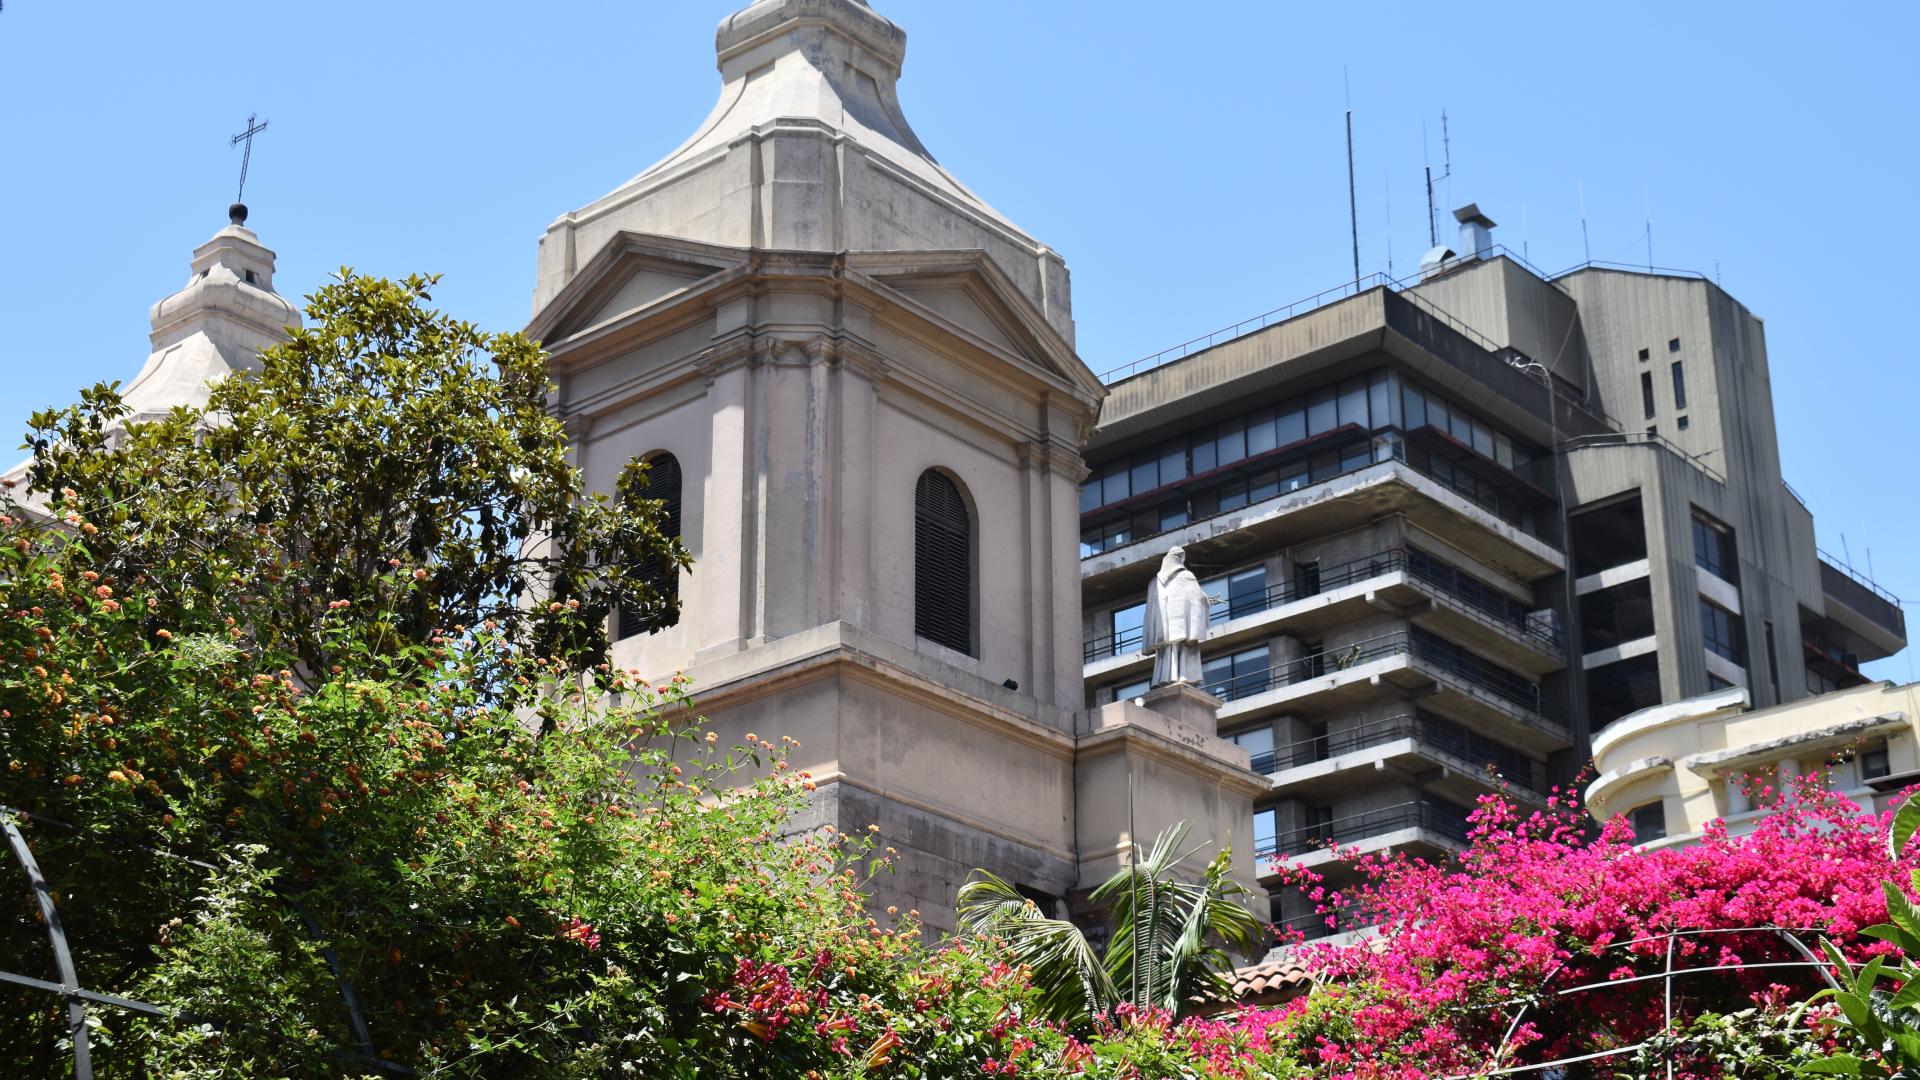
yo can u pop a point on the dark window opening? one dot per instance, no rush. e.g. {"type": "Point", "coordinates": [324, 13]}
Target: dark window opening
{"type": "Point", "coordinates": [664, 482]}
{"type": "Point", "coordinates": [1646, 393]}
{"type": "Point", "coordinates": [1649, 822]}
{"type": "Point", "coordinates": [1645, 353]}
{"type": "Point", "coordinates": [1673, 345]}
{"type": "Point", "coordinates": [250, 278]}
{"type": "Point", "coordinates": [1306, 578]}
{"type": "Point", "coordinates": [1614, 616]}
{"type": "Point", "coordinates": [1875, 763]}
{"type": "Point", "coordinates": [1713, 549]}
{"type": "Point", "coordinates": [1715, 682]}
{"type": "Point", "coordinates": [1679, 385]}
{"type": "Point", "coordinates": [1046, 902]}
{"type": "Point", "coordinates": [1681, 423]}
{"type": "Point", "coordinates": [942, 563]}
{"type": "Point", "coordinates": [1773, 664]}
{"type": "Point", "coordinates": [1721, 631]}
{"type": "Point", "coordinates": [1612, 535]}
{"type": "Point", "coordinates": [1627, 686]}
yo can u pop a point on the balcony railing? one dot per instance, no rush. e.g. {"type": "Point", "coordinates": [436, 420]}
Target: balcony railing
{"type": "Point", "coordinates": [1310, 667]}
{"type": "Point", "coordinates": [1437, 734]}
{"type": "Point", "coordinates": [1859, 592]}
{"type": "Point", "coordinates": [1434, 817]}
{"type": "Point", "coordinates": [1328, 578]}
{"type": "Point", "coordinates": [1437, 656]}
{"type": "Point", "coordinates": [1463, 593]}
{"type": "Point", "coordinates": [1386, 444]}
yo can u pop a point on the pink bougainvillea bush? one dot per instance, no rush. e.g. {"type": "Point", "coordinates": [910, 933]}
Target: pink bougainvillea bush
{"type": "Point", "coordinates": [1480, 963]}
{"type": "Point", "coordinates": [1485, 958]}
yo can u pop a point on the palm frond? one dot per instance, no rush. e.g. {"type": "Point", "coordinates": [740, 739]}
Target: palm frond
{"type": "Point", "coordinates": [1060, 961]}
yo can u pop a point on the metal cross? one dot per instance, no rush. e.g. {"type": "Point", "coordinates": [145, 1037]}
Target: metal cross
{"type": "Point", "coordinates": [247, 156]}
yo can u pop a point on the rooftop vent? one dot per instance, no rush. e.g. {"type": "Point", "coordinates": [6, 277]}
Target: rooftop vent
{"type": "Point", "coordinates": [1476, 231]}
{"type": "Point", "coordinates": [1435, 262]}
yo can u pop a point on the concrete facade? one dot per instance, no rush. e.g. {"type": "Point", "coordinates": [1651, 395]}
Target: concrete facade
{"type": "Point", "coordinates": [1672, 769]}
{"type": "Point", "coordinates": [1462, 526]}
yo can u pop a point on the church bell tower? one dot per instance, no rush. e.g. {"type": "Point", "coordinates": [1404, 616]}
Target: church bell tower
{"type": "Point", "coordinates": [857, 386]}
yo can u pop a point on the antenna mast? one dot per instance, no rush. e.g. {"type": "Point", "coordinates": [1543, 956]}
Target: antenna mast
{"type": "Point", "coordinates": [1586, 246]}
{"type": "Point", "coordinates": [1446, 148]}
{"type": "Point", "coordinates": [1353, 203]}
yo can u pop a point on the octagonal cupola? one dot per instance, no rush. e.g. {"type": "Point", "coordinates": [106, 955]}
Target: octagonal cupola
{"type": "Point", "coordinates": [807, 149]}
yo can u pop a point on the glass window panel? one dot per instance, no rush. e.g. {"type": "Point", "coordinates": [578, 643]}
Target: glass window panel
{"type": "Point", "coordinates": [1129, 691]}
{"type": "Point", "coordinates": [1172, 516]}
{"type": "Point", "coordinates": [1415, 404]}
{"type": "Point", "coordinates": [1203, 455]}
{"type": "Point", "coordinates": [1255, 741]}
{"type": "Point", "coordinates": [1260, 437]}
{"type": "Point", "coordinates": [1356, 457]}
{"type": "Point", "coordinates": [1090, 495]}
{"type": "Point", "coordinates": [1293, 477]}
{"type": "Point", "coordinates": [1462, 429]}
{"type": "Point", "coordinates": [1378, 396]}
{"type": "Point", "coordinates": [1353, 401]}
{"type": "Point", "coordinates": [1264, 485]}
{"type": "Point", "coordinates": [1250, 664]}
{"type": "Point", "coordinates": [1231, 442]}
{"type": "Point", "coordinates": [1320, 411]}
{"type": "Point", "coordinates": [1290, 423]}
{"type": "Point", "coordinates": [1233, 496]}
{"type": "Point", "coordinates": [1437, 413]}
{"type": "Point", "coordinates": [1146, 475]}
{"type": "Point", "coordinates": [1114, 485]}
{"type": "Point", "coordinates": [1324, 465]}
{"type": "Point", "coordinates": [1482, 439]}
{"type": "Point", "coordinates": [1173, 463]}
{"type": "Point", "coordinates": [1503, 450]}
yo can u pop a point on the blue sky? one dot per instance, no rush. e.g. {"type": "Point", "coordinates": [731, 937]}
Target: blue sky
{"type": "Point", "coordinates": [1188, 160]}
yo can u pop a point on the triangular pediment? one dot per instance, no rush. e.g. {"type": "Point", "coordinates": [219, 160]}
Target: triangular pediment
{"type": "Point", "coordinates": [631, 272]}
{"type": "Point", "coordinates": [967, 293]}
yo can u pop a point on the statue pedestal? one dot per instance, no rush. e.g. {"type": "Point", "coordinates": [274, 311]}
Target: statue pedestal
{"type": "Point", "coordinates": [1185, 704]}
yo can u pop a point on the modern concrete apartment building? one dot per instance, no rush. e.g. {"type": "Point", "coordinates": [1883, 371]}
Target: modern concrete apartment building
{"type": "Point", "coordinates": [1457, 528]}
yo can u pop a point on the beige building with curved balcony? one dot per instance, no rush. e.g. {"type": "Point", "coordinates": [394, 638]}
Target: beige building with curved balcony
{"type": "Point", "coordinates": [1672, 769]}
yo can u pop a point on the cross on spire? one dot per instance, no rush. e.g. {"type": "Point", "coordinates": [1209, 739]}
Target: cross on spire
{"type": "Point", "coordinates": [246, 157]}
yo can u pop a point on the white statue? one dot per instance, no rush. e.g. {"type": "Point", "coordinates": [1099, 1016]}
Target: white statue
{"type": "Point", "coordinates": [1176, 621]}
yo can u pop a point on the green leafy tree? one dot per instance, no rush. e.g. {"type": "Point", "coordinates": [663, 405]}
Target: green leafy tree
{"type": "Point", "coordinates": [1165, 950]}
{"type": "Point", "coordinates": [382, 433]}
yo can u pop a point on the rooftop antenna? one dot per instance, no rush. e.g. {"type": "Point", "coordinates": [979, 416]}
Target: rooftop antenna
{"type": "Point", "coordinates": [1586, 245]}
{"type": "Point", "coordinates": [1353, 198]}
{"type": "Point", "coordinates": [1446, 146]}
{"type": "Point", "coordinates": [1526, 238]}
{"type": "Point", "coordinates": [1845, 552]}
{"type": "Point", "coordinates": [1646, 208]}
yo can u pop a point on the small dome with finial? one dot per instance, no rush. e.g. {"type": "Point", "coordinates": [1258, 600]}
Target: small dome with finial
{"type": "Point", "coordinates": [237, 213]}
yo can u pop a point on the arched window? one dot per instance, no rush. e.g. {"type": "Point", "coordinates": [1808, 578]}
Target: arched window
{"type": "Point", "coordinates": [942, 563]}
{"type": "Point", "coordinates": [663, 483]}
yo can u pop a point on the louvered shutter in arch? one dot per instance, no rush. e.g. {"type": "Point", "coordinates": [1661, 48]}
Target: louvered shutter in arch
{"type": "Point", "coordinates": [942, 563]}
{"type": "Point", "coordinates": [663, 483]}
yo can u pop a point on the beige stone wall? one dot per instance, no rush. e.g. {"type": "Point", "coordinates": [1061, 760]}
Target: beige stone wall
{"type": "Point", "coordinates": [1690, 756]}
